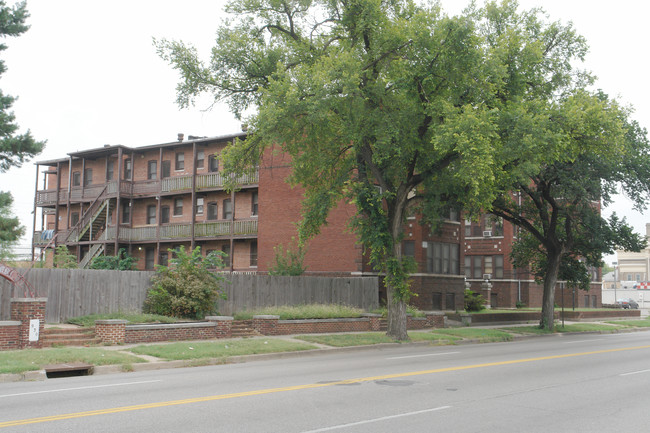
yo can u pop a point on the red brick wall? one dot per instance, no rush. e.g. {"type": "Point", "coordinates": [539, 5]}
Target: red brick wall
{"type": "Point", "coordinates": [334, 250]}
{"type": "Point", "coordinates": [10, 335]}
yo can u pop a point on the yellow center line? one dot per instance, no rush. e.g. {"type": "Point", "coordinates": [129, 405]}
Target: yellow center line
{"type": "Point", "coordinates": [297, 388]}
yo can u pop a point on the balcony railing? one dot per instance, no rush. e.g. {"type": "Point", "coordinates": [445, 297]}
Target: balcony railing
{"type": "Point", "coordinates": [175, 231]}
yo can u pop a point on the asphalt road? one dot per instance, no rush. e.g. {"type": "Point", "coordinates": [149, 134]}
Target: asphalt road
{"type": "Point", "coordinates": [572, 383]}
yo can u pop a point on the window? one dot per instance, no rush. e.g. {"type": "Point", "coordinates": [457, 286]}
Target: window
{"type": "Point", "coordinates": [126, 213]}
{"type": "Point", "coordinates": [164, 214]}
{"type": "Point", "coordinates": [200, 157]}
{"type": "Point", "coordinates": [498, 266]}
{"type": "Point", "coordinates": [110, 165]}
{"type": "Point", "coordinates": [478, 267]}
{"type": "Point", "coordinates": [74, 218]}
{"type": "Point", "coordinates": [164, 259]}
{"type": "Point", "coordinates": [227, 209]}
{"type": "Point", "coordinates": [212, 211]}
{"type": "Point", "coordinates": [151, 214]}
{"type": "Point", "coordinates": [76, 178]}
{"type": "Point", "coordinates": [226, 250]}
{"type": "Point", "coordinates": [468, 228]}
{"type": "Point", "coordinates": [408, 248]}
{"type": "Point", "coordinates": [152, 170]}
{"type": "Point", "coordinates": [443, 258]}
{"type": "Point", "coordinates": [254, 253]}
{"type": "Point", "coordinates": [127, 169]}
{"type": "Point", "coordinates": [88, 176]}
{"type": "Point", "coordinates": [166, 169]}
{"type": "Point", "coordinates": [149, 255]}
{"type": "Point", "coordinates": [497, 227]}
{"type": "Point", "coordinates": [468, 266]}
{"type": "Point", "coordinates": [213, 164]}
{"type": "Point", "coordinates": [199, 205]}
{"type": "Point", "coordinates": [180, 161]}
{"type": "Point", "coordinates": [487, 267]}
{"type": "Point", "coordinates": [254, 199]}
{"type": "Point", "coordinates": [450, 301]}
{"type": "Point", "coordinates": [178, 206]}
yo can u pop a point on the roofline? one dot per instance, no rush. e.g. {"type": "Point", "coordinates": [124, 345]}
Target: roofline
{"type": "Point", "coordinates": [109, 149]}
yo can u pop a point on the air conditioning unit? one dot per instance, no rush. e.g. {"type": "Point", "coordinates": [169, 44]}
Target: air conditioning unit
{"type": "Point", "coordinates": [487, 234]}
{"type": "Point", "coordinates": [487, 276]}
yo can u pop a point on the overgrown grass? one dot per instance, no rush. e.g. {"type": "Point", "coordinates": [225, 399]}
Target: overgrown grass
{"type": "Point", "coordinates": [19, 361]}
{"type": "Point", "coordinates": [132, 317]}
{"type": "Point", "coordinates": [309, 311]}
{"type": "Point", "coordinates": [223, 349]}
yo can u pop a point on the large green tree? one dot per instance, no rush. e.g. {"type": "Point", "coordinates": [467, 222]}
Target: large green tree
{"type": "Point", "coordinates": [15, 147]}
{"type": "Point", "coordinates": [387, 104]}
{"type": "Point", "coordinates": [558, 205]}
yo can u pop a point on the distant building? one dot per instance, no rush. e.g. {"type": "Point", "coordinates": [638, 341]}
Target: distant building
{"type": "Point", "coordinates": [632, 269]}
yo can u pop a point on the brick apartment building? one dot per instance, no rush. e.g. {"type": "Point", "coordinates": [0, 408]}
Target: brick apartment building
{"type": "Point", "coordinates": [153, 198]}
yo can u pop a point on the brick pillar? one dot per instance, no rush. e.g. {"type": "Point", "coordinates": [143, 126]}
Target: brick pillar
{"type": "Point", "coordinates": [266, 324]}
{"type": "Point", "coordinates": [111, 331]}
{"type": "Point", "coordinates": [223, 325]}
{"type": "Point", "coordinates": [374, 320]}
{"type": "Point", "coordinates": [30, 312]}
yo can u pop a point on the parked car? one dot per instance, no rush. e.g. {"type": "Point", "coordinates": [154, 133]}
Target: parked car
{"type": "Point", "coordinates": [627, 303]}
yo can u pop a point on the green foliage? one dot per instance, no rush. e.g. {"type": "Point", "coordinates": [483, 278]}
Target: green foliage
{"type": "Point", "coordinates": [474, 301]}
{"type": "Point", "coordinates": [288, 261]}
{"type": "Point", "coordinates": [187, 288]}
{"type": "Point", "coordinates": [392, 106]}
{"type": "Point", "coordinates": [123, 261]}
{"type": "Point", "coordinates": [309, 311]}
{"type": "Point", "coordinates": [63, 258]}
{"type": "Point", "coordinates": [520, 304]}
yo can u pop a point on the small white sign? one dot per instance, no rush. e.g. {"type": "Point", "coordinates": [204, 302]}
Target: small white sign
{"type": "Point", "coordinates": [34, 325]}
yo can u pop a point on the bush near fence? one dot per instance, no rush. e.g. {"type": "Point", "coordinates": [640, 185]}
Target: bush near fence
{"type": "Point", "coordinates": [80, 292]}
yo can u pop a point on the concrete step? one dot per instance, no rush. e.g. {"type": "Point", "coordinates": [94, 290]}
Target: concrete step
{"type": "Point", "coordinates": [69, 337]}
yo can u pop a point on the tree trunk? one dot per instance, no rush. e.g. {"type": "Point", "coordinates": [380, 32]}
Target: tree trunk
{"type": "Point", "coordinates": [550, 280]}
{"type": "Point", "coordinates": [396, 302]}
{"type": "Point", "coordinates": [396, 316]}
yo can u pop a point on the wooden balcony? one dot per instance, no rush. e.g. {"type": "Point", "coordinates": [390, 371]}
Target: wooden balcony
{"type": "Point", "coordinates": [129, 189]}
{"type": "Point", "coordinates": [202, 231]}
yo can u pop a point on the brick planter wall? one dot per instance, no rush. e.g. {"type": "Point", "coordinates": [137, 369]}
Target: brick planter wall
{"type": "Point", "coordinates": [118, 332]}
{"type": "Point", "coordinates": [111, 331]}
{"type": "Point", "coordinates": [10, 335]}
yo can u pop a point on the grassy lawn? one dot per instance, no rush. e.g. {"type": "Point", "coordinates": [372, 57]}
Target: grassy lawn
{"type": "Point", "coordinates": [574, 327]}
{"type": "Point", "coordinates": [18, 361]}
{"type": "Point", "coordinates": [347, 340]}
{"type": "Point", "coordinates": [222, 349]}
{"type": "Point", "coordinates": [480, 334]}
{"type": "Point", "coordinates": [134, 317]}
{"type": "Point", "coordinates": [638, 323]}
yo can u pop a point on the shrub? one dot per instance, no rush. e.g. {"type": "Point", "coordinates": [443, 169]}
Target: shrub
{"type": "Point", "coordinates": [63, 259]}
{"type": "Point", "coordinates": [473, 301]}
{"type": "Point", "coordinates": [187, 288]}
{"type": "Point", "coordinates": [289, 261]}
{"type": "Point", "coordinates": [123, 261]}
{"type": "Point", "coordinates": [520, 304]}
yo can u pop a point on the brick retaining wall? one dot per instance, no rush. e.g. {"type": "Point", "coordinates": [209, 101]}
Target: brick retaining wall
{"type": "Point", "coordinates": [118, 332]}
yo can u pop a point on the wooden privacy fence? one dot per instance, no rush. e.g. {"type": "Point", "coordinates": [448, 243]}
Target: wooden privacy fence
{"type": "Point", "coordinates": [78, 292]}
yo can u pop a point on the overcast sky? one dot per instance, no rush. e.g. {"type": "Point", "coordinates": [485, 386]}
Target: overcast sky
{"type": "Point", "coordinates": [87, 74]}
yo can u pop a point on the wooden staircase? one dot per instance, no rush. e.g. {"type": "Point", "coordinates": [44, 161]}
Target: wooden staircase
{"type": "Point", "coordinates": [69, 337]}
{"type": "Point", "coordinates": [243, 329]}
